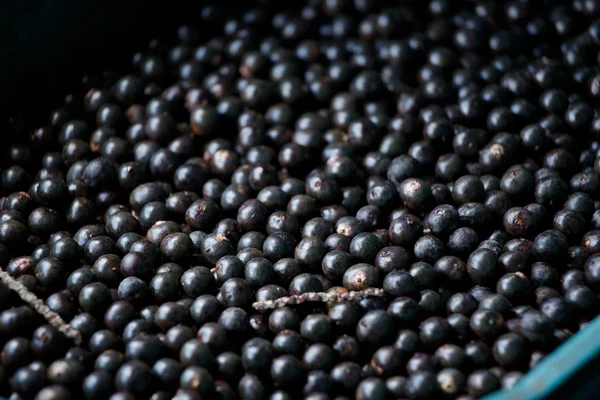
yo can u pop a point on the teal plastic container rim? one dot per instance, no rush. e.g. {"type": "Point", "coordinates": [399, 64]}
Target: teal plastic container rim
{"type": "Point", "coordinates": [557, 368]}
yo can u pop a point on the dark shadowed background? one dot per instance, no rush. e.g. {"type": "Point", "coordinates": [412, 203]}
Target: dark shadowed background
{"type": "Point", "coordinates": [47, 44]}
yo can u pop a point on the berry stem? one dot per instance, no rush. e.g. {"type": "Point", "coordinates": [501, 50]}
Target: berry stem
{"type": "Point", "coordinates": [324, 297]}
{"type": "Point", "coordinates": [38, 305]}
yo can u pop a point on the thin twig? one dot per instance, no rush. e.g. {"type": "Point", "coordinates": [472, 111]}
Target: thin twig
{"type": "Point", "coordinates": [38, 305]}
{"type": "Point", "coordinates": [324, 297]}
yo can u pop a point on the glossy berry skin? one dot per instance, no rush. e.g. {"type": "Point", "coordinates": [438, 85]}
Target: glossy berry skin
{"type": "Point", "coordinates": [278, 245]}
{"type": "Point", "coordinates": [452, 270]}
{"type": "Point", "coordinates": [360, 276]}
{"type": "Point", "coordinates": [482, 266]}
{"type": "Point", "coordinates": [251, 215]}
{"type": "Point", "coordinates": [194, 352]}
{"type": "Point", "coordinates": [202, 213]}
{"type": "Point", "coordinates": [514, 286]}
{"type": "Point", "coordinates": [259, 272]}
{"type": "Point", "coordinates": [550, 246]}
{"type": "Point", "coordinates": [346, 375]}
{"type": "Point", "coordinates": [429, 249]}
{"type": "Point", "coordinates": [510, 350]}
{"type": "Point", "coordinates": [421, 385]}
{"type": "Point", "coordinates": [316, 328]}
{"type": "Point", "coordinates": [390, 258]}
{"type": "Point", "coordinates": [374, 327]}
{"type": "Point", "coordinates": [287, 371]}
{"type": "Point", "coordinates": [398, 283]}
{"type": "Point", "coordinates": [442, 220]}
{"type": "Point", "coordinates": [235, 292]}
{"type": "Point", "coordinates": [310, 251]}
{"type": "Point", "coordinates": [197, 281]}
{"type": "Point", "coordinates": [100, 173]}
{"type": "Point", "coordinates": [94, 297]}
{"type": "Point", "coordinates": [482, 382]}
{"type": "Point", "coordinates": [405, 230]}
{"type": "Point", "coordinates": [365, 246]}
{"type": "Point", "coordinates": [216, 246]}
{"type": "Point", "coordinates": [487, 323]}
{"type": "Point", "coordinates": [444, 156]}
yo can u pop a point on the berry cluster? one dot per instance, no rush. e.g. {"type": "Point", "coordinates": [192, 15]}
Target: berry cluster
{"type": "Point", "coordinates": [442, 157]}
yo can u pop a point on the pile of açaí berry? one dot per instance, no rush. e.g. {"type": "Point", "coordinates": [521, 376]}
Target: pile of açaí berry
{"type": "Point", "coordinates": [445, 153]}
